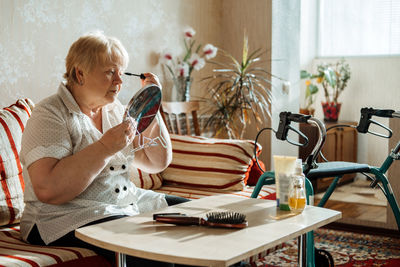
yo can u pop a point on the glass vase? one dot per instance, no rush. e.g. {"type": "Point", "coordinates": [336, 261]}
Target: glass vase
{"type": "Point", "coordinates": [182, 86]}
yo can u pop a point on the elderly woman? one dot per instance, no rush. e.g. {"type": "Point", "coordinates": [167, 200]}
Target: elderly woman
{"type": "Point", "coordinates": [76, 150]}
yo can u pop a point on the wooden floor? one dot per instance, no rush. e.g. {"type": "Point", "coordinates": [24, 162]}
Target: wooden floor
{"type": "Point", "coordinates": [362, 212]}
{"type": "Point", "coordinates": [357, 211]}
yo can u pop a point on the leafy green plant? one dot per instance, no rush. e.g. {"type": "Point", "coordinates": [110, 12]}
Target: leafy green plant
{"type": "Point", "coordinates": [311, 91]}
{"type": "Point", "coordinates": [332, 76]}
{"type": "Point", "coordinates": [237, 91]}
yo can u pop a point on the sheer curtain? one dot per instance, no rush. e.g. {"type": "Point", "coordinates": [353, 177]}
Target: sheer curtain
{"type": "Point", "coordinates": [358, 27]}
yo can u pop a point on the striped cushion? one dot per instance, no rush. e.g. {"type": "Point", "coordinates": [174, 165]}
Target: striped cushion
{"type": "Point", "coordinates": [145, 180]}
{"type": "Point", "coordinates": [15, 252]}
{"type": "Point", "coordinates": [209, 162]}
{"type": "Point", "coordinates": [12, 122]}
{"type": "Point", "coordinates": [267, 192]}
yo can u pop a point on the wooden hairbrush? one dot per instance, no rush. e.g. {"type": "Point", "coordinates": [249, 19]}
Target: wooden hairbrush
{"type": "Point", "coordinates": [213, 219]}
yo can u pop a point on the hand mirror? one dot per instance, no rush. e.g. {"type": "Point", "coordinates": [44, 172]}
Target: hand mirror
{"type": "Point", "coordinates": [144, 106]}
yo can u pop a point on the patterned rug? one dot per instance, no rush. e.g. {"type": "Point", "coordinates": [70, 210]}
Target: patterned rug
{"type": "Point", "coordinates": [347, 249]}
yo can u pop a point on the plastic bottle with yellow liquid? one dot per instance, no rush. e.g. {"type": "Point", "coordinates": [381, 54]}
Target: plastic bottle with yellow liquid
{"type": "Point", "coordinates": [297, 193]}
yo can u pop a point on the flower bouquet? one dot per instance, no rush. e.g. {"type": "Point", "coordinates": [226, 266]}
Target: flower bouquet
{"type": "Point", "coordinates": [181, 68]}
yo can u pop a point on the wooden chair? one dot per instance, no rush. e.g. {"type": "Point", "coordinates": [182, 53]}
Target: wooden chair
{"type": "Point", "coordinates": [181, 117]}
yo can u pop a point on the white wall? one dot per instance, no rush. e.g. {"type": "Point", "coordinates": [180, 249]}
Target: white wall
{"type": "Point", "coordinates": [35, 37]}
{"type": "Point", "coordinates": [285, 64]}
{"type": "Point", "coordinates": [308, 37]}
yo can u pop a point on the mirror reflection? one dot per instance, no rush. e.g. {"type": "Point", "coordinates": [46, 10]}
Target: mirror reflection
{"type": "Point", "coordinates": [144, 106]}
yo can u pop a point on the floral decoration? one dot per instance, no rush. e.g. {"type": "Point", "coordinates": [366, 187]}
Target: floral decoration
{"type": "Point", "coordinates": [194, 58]}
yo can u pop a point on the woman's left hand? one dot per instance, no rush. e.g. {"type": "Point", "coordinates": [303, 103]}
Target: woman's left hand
{"type": "Point", "coordinates": [119, 136]}
{"type": "Point", "coordinates": [150, 79]}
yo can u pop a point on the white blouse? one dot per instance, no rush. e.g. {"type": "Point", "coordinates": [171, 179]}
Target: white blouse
{"type": "Point", "coordinates": [56, 129]}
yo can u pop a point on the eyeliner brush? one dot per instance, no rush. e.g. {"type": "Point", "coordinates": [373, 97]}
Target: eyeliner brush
{"type": "Point", "coordinates": [141, 75]}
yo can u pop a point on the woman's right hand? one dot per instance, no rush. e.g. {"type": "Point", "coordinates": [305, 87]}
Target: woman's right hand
{"type": "Point", "coordinates": [150, 79]}
{"type": "Point", "coordinates": [119, 136]}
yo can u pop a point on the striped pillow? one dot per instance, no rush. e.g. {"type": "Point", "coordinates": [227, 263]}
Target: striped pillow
{"type": "Point", "coordinates": [209, 162]}
{"type": "Point", "coordinates": [145, 180]}
{"type": "Point", "coordinates": [12, 122]}
{"type": "Point", "coordinates": [15, 252]}
{"type": "Point", "coordinates": [266, 192]}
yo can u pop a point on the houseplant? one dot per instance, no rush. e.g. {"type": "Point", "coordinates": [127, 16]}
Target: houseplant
{"type": "Point", "coordinates": [333, 77]}
{"type": "Point", "coordinates": [181, 68]}
{"type": "Point", "coordinates": [237, 90]}
{"type": "Point", "coordinates": [309, 96]}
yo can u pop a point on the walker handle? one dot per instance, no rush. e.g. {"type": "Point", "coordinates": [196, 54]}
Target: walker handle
{"type": "Point", "coordinates": [365, 120]}
{"type": "Point", "coordinates": [285, 118]}
{"type": "Point", "coordinates": [284, 126]}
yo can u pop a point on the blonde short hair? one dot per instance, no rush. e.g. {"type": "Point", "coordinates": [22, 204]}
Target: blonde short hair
{"type": "Point", "coordinates": [94, 49]}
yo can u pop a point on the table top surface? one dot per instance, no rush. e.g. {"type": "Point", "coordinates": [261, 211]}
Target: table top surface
{"type": "Point", "coordinates": [205, 246]}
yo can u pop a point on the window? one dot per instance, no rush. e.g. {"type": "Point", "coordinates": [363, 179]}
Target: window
{"type": "Point", "coordinates": [358, 27]}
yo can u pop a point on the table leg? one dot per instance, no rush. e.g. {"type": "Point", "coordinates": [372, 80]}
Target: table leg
{"type": "Point", "coordinates": [120, 259]}
{"type": "Point", "coordinates": [302, 250]}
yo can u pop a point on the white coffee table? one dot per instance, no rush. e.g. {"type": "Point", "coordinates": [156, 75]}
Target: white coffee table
{"type": "Point", "coordinates": [140, 236]}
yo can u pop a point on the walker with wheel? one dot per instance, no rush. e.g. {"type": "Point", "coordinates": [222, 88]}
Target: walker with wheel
{"type": "Point", "coordinates": [314, 170]}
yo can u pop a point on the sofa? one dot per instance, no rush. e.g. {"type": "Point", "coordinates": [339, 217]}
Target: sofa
{"type": "Point", "coordinates": [200, 167]}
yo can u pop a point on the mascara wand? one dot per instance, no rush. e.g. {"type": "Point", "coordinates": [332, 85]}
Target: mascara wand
{"type": "Point", "coordinates": [141, 75]}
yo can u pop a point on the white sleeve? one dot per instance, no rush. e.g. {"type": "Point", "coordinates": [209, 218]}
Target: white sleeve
{"type": "Point", "coordinates": [149, 200]}
{"type": "Point", "coordinates": [45, 135]}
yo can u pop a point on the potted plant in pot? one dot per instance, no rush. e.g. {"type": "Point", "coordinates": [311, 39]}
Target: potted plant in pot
{"type": "Point", "coordinates": [238, 89]}
{"type": "Point", "coordinates": [310, 95]}
{"type": "Point", "coordinates": [333, 77]}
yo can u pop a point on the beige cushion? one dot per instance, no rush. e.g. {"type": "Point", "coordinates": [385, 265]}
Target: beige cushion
{"type": "Point", "coordinates": [12, 124]}
{"type": "Point", "coordinates": [266, 192]}
{"type": "Point", "coordinates": [209, 162]}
